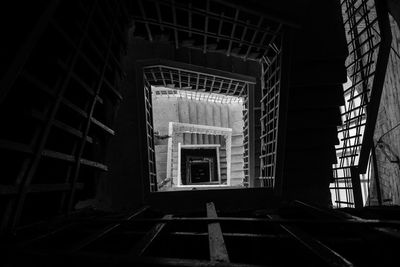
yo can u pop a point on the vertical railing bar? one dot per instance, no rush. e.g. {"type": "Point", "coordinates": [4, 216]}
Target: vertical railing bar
{"type": "Point", "coordinates": [175, 24]}
{"type": "Point", "coordinates": [220, 87]}
{"type": "Point", "coordinates": [229, 87]}
{"type": "Point", "coordinates": [190, 19]}
{"type": "Point", "coordinates": [171, 77]}
{"type": "Point", "coordinates": [179, 79]}
{"type": "Point", "coordinates": [162, 76]}
{"type": "Point", "coordinates": [220, 26]}
{"type": "Point", "coordinates": [244, 33]}
{"type": "Point", "coordinates": [206, 26]}
{"type": "Point", "coordinates": [228, 52]}
{"type": "Point", "coordinates": [159, 16]}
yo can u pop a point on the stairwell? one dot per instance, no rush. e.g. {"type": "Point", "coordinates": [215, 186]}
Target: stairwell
{"type": "Point", "coordinates": [184, 110]}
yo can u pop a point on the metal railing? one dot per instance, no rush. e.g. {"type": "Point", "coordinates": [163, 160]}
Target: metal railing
{"type": "Point", "coordinates": [270, 113]}
{"type": "Point", "coordinates": [368, 35]}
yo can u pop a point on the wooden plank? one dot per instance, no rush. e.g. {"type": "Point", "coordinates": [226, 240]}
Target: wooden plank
{"type": "Point", "coordinates": [218, 251]}
{"type": "Point", "coordinates": [175, 23]}
{"type": "Point", "coordinates": [149, 237]}
{"type": "Point", "coordinates": [102, 126]}
{"type": "Point", "coordinates": [57, 155]}
{"type": "Point", "coordinates": [94, 164]}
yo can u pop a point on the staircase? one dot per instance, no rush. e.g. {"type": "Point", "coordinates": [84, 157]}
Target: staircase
{"type": "Point", "coordinates": [202, 113]}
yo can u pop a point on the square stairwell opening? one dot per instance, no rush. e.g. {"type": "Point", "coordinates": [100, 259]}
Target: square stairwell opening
{"type": "Point", "coordinates": [197, 123]}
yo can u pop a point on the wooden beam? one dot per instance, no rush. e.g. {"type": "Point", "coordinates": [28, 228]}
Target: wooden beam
{"type": "Point", "coordinates": [218, 251]}
{"type": "Point", "coordinates": [149, 237]}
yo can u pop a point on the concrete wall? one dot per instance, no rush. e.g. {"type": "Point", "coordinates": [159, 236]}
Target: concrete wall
{"type": "Point", "coordinates": [388, 118]}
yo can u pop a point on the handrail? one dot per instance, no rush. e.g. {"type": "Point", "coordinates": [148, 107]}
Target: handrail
{"type": "Point", "coordinates": [379, 80]}
{"type": "Point", "coordinates": [369, 38]}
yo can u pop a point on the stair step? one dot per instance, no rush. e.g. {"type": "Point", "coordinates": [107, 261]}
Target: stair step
{"type": "Point", "coordinates": [237, 167]}
{"type": "Point", "coordinates": [237, 149]}
{"type": "Point", "coordinates": [236, 158]}
{"type": "Point", "coordinates": [237, 142]}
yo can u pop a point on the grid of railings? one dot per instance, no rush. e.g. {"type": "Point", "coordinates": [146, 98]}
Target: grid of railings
{"type": "Point", "coordinates": [55, 116]}
{"type": "Point", "coordinates": [270, 99]}
{"type": "Point", "coordinates": [362, 32]}
{"type": "Point", "coordinates": [246, 135]}
{"type": "Point", "coordinates": [182, 79]}
{"type": "Point", "coordinates": [171, 81]}
{"type": "Point", "coordinates": [210, 25]}
{"type": "Point", "coordinates": [150, 136]}
{"type": "Point", "coordinates": [161, 91]}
